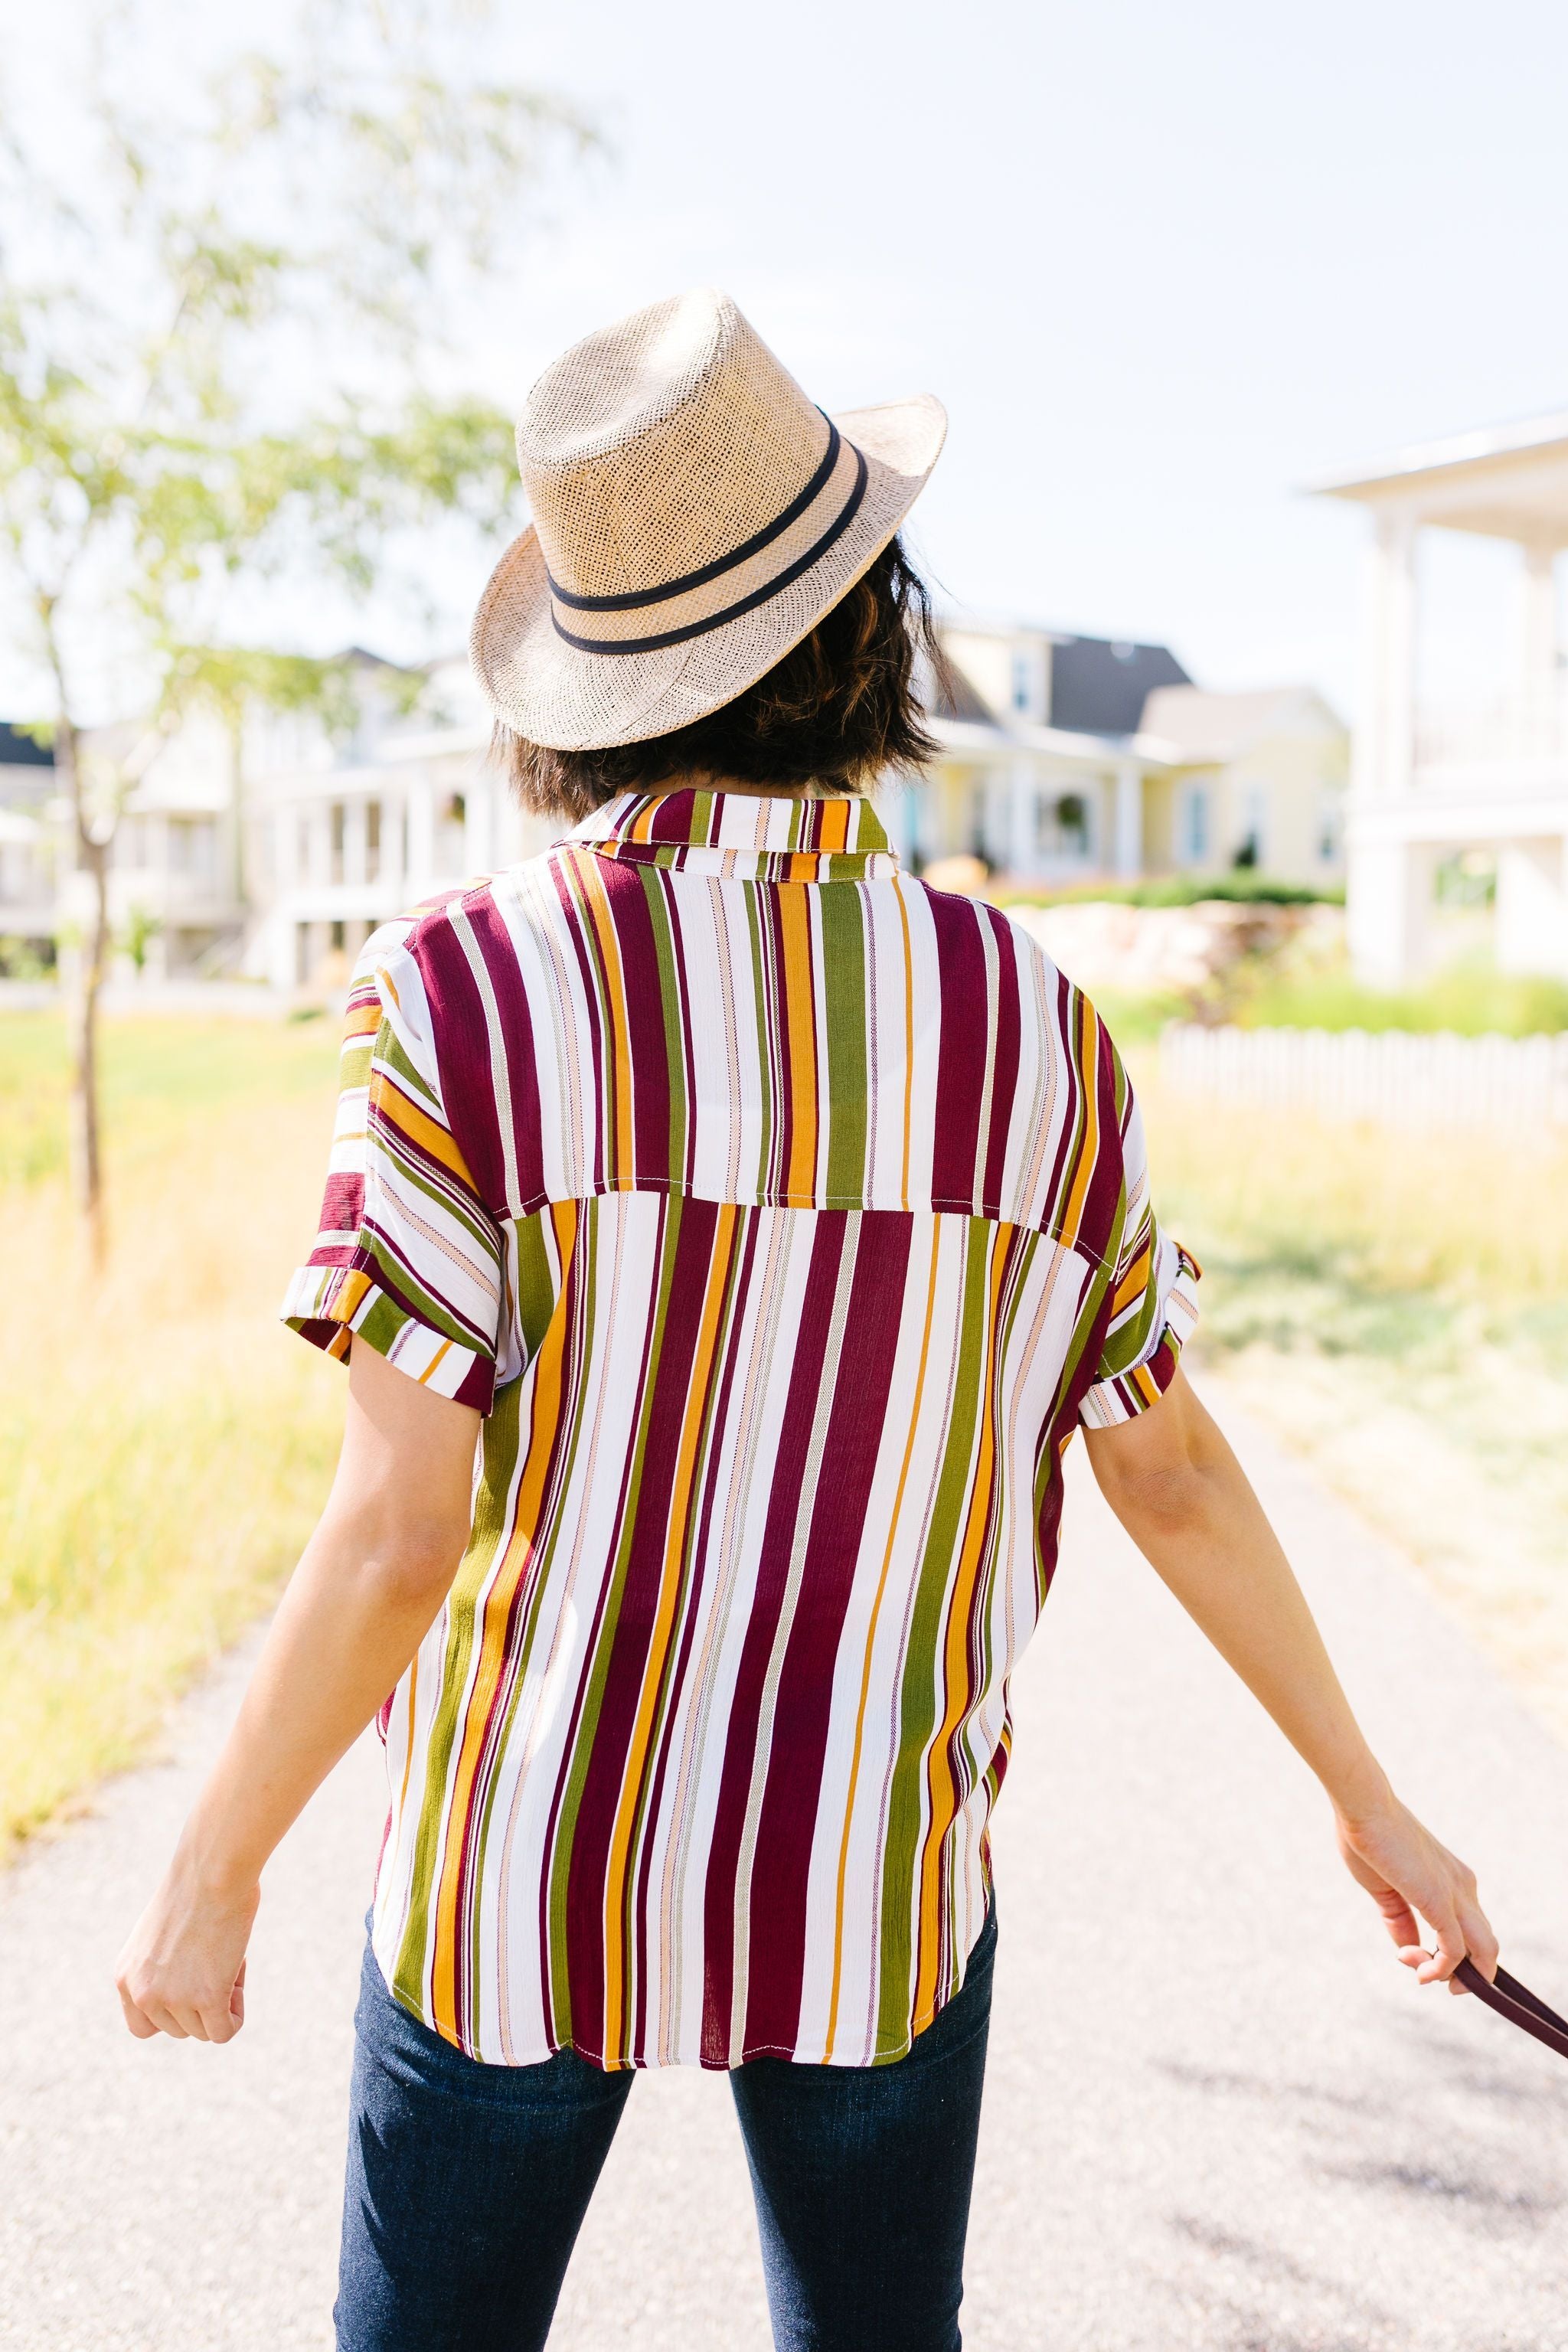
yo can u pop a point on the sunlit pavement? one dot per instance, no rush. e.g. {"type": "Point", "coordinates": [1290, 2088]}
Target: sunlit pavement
{"type": "Point", "coordinates": [1219, 2116]}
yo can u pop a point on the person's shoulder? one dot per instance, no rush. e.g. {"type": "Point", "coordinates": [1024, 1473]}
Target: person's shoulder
{"type": "Point", "coordinates": [958, 915]}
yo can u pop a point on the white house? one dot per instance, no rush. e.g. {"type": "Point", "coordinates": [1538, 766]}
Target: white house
{"type": "Point", "coordinates": [1062, 758]}
{"type": "Point", "coordinates": [1430, 784]}
{"type": "Point", "coordinates": [348, 834]}
{"type": "Point", "coordinates": [27, 854]}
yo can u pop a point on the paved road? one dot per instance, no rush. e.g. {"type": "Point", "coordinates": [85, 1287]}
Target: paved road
{"type": "Point", "coordinates": [1218, 2115]}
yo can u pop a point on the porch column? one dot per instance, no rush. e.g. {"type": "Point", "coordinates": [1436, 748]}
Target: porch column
{"type": "Point", "coordinates": [1384, 754]}
{"type": "Point", "coordinates": [1127, 826]}
{"type": "Point", "coordinates": [1388, 894]}
{"type": "Point", "coordinates": [1531, 924]}
{"type": "Point", "coordinates": [419, 876]}
{"type": "Point", "coordinates": [1024, 848]}
{"type": "Point", "coordinates": [1538, 654]}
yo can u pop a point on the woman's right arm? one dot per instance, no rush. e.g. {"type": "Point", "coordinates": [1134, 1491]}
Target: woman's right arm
{"type": "Point", "coordinates": [367, 1592]}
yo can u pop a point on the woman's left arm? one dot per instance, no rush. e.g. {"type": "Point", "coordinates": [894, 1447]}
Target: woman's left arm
{"type": "Point", "coordinates": [367, 1592]}
{"type": "Point", "coordinates": [1185, 1501]}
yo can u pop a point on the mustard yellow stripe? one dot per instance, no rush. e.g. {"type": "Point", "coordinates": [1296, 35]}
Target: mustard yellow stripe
{"type": "Point", "coordinates": [1132, 1282]}
{"type": "Point", "coordinates": [621, 1155]}
{"type": "Point", "coordinates": [1089, 1145]}
{"type": "Point", "coordinates": [399, 1111]}
{"type": "Point", "coordinates": [800, 1025]}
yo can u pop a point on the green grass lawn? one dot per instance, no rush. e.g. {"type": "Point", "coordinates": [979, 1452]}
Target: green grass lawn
{"type": "Point", "coordinates": [1471, 999]}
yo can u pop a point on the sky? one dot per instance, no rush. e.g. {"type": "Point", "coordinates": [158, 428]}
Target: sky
{"type": "Point", "coordinates": [1164, 267]}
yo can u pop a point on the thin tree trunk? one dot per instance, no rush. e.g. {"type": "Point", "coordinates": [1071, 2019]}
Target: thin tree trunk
{"type": "Point", "coordinates": [87, 1150]}
{"type": "Point", "coordinates": [92, 859]}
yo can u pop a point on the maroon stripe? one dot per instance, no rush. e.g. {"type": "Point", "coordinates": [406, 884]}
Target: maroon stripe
{"type": "Point", "coordinates": [514, 1020]}
{"type": "Point", "coordinates": [960, 1069]}
{"type": "Point", "coordinates": [1101, 1212]}
{"type": "Point", "coordinates": [459, 1033]}
{"type": "Point", "coordinates": [626, 899]}
{"type": "Point", "coordinates": [343, 1204]}
{"type": "Point", "coordinates": [786, 1829]}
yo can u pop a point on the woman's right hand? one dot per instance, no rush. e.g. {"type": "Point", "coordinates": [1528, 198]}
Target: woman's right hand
{"type": "Point", "coordinates": [1410, 1876]}
{"type": "Point", "coordinates": [182, 1971]}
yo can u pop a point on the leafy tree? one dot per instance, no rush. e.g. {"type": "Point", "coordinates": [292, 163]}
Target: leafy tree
{"type": "Point", "coordinates": [217, 369]}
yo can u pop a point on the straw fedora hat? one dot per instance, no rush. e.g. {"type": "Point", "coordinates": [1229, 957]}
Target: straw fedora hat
{"type": "Point", "coordinates": [694, 517]}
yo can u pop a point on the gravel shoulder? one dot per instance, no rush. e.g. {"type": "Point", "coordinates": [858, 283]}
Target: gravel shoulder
{"type": "Point", "coordinates": [1218, 2115]}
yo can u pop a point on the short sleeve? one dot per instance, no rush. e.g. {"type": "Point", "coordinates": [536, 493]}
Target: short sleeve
{"type": "Point", "coordinates": [1154, 1301]}
{"type": "Point", "coordinates": [408, 1258]}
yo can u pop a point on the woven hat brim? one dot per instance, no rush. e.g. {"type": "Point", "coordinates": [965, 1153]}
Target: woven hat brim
{"type": "Point", "coordinates": [553, 693]}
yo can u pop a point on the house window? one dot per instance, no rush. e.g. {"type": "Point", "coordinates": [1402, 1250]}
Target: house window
{"type": "Point", "coordinates": [1328, 832]}
{"type": "Point", "coordinates": [1023, 682]}
{"type": "Point", "coordinates": [192, 846]}
{"type": "Point", "coordinates": [372, 841]}
{"type": "Point", "coordinates": [1061, 824]}
{"type": "Point", "coordinates": [1195, 825]}
{"type": "Point", "coordinates": [1249, 850]}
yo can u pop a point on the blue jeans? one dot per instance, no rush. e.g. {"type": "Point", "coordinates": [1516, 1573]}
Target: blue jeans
{"type": "Point", "coordinates": [467, 2184]}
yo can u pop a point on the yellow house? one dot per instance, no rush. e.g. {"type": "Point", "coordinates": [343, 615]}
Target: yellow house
{"type": "Point", "coordinates": [1067, 759]}
{"type": "Point", "coordinates": [1245, 780]}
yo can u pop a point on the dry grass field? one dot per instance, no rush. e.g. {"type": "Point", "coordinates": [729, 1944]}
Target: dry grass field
{"type": "Point", "coordinates": [1397, 1306]}
{"type": "Point", "coordinates": [163, 1442]}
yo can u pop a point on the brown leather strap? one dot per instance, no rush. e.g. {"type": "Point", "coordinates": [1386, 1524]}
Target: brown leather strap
{"type": "Point", "coordinates": [1518, 2004]}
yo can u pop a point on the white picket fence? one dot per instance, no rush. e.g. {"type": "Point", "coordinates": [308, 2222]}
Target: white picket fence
{"type": "Point", "coordinates": [1394, 1077]}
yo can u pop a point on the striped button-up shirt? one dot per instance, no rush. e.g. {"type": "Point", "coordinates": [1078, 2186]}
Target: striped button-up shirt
{"type": "Point", "coordinates": [783, 1218]}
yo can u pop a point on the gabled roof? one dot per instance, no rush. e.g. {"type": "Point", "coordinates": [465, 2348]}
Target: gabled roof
{"type": "Point", "coordinates": [1187, 723]}
{"type": "Point", "coordinates": [20, 751]}
{"type": "Point", "coordinates": [1099, 685]}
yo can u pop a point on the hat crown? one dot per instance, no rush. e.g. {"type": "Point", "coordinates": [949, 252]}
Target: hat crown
{"type": "Point", "coordinates": [656, 446]}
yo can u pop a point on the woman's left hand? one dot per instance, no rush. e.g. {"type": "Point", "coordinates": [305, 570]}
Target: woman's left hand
{"type": "Point", "coordinates": [182, 1971]}
{"type": "Point", "coordinates": [1411, 1877]}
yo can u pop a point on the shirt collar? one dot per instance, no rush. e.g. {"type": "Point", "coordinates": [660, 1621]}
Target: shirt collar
{"type": "Point", "coordinates": [748, 836]}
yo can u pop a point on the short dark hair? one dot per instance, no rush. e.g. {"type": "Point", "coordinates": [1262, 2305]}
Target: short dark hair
{"type": "Point", "coordinates": [841, 709]}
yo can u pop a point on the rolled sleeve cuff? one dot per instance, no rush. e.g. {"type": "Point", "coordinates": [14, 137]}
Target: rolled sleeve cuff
{"type": "Point", "coordinates": [1123, 1395]}
{"type": "Point", "coordinates": [330, 1305]}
